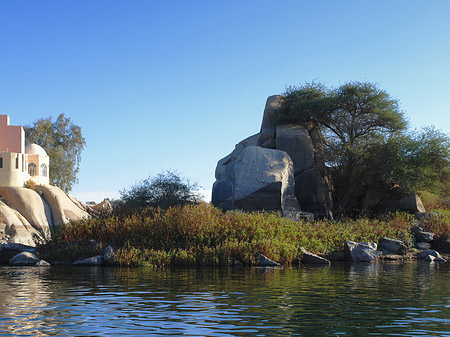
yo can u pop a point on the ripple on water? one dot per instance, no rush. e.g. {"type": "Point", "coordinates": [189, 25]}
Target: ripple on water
{"type": "Point", "coordinates": [409, 299]}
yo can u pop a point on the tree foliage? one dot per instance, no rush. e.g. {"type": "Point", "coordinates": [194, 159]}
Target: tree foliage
{"type": "Point", "coordinates": [366, 141]}
{"type": "Point", "coordinates": [164, 190]}
{"type": "Point", "coordinates": [63, 142]}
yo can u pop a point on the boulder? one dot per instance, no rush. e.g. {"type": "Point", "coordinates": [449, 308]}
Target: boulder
{"type": "Point", "coordinates": [361, 252]}
{"type": "Point", "coordinates": [224, 168]}
{"type": "Point", "coordinates": [18, 247]}
{"type": "Point", "coordinates": [424, 236]}
{"type": "Point", "coordinates": [312, 193]}
{"type": "Point", "coordinates": [264, 261]}
{"type": "Point", "coordinates": [42, 263]}
{"type": "Point", "coordinates": [392, 247]}
{"type": "Point", "coordinates": [31, 206]}
{"type": "Point", "coordinates": [441, 244]}
{"type": "Point", "coordinates": [416, 229]}
{"type": "Point", "coordinates": [432, 258]}
{"type": "Point", "coordinates": [14, 228]}
{"type": "Point", "coordinates": [91, 261]}
{"type": "Point", "coordinates": [423, 246]}
{"type": "Point", "coordinates": [222, 193]}
{"type": "Point", "coordinates": [423, 254]}
{"type": "Point", "coordinates": [63, 209]}
{"type": "Point", "coordinates": [109, 256]}
{"type": "Point", "coordinates": [402, 202]}
{"type": "Point", "coordinates": [273, 103]}
{"type": "Point", "coordinates": [263, 180]}
{"type": "Point", "coordinates": [296, 142]}
{"type": "Point", "coordinates": [103, 207]}
{"type": "Point", "coordinates": [310, 258]}
{"type": "Point", "coordinates": [24, 259]}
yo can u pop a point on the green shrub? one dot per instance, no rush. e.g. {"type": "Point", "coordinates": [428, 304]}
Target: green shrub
{"type": "Point", "coordinates": [203, 235]}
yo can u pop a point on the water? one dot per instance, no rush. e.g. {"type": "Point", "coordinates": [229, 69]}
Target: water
{"type": "Point", "coordinates": [384, 299]}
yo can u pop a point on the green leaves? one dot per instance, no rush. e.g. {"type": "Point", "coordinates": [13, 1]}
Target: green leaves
{"type": "Point", "coordinates": [63, 142]}
{"type": "Point", "coordinates": [164, 190]}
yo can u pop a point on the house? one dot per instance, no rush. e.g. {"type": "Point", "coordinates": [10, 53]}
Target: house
{"type": "Point", "coordinates": [20, 163]}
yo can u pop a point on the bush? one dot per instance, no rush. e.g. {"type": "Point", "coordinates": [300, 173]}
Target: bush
{"type": "Point", "coordinates": [203, 235]}
{"type": "Point", "coordinates": [165, 190]}
{"type": "Point", "coordinates": [29, 184]}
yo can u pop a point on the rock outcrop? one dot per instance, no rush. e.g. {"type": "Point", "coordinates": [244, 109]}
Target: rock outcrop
{"type": "Point", "coordinates": [28, 216]}
{"type": "Point", "coordinates": [62, 207]}
{"type": "Point", "coordinates": [263, 180]}
{"type": "Point", "coordinates": [303, 144]}
{"type": "Point", "coordinates": [31, 206]}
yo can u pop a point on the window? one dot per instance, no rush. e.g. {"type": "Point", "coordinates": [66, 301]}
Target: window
{"type": "Point", "coordinates": [17, 162]}
{"type": "Point", "coordinates": [43, 170]}
{"type": "Point", "coordinates": [1, 162]}
{"type": "Point", "coordinates": [32, 169]}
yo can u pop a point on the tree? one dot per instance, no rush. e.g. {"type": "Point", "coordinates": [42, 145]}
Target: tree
{"type": "Point", "coordinates": [63, 142]}
{"type": "Point", "coordinates": [366, 141]}
{"type": "Point", "coordinates": [164, 190]}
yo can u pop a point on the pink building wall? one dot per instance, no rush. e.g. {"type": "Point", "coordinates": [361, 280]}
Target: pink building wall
{"type": "Point", "coordinates": [12, 138]}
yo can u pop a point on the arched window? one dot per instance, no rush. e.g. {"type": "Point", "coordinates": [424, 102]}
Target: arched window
{"type": "Point", "coordinates": [43, 170]}
{"type": "Point", "coordinates": [32, 169]}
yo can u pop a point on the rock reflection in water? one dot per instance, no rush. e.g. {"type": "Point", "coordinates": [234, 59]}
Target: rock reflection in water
{"type": "Point", "coordinates": [354, 299]}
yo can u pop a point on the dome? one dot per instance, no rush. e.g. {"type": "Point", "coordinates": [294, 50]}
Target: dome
{"type": "Point", "coordinates": [33, 149]}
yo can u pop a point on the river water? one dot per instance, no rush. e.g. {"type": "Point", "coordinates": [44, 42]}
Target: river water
{"type": "Point", "coordinates": [381, 299]}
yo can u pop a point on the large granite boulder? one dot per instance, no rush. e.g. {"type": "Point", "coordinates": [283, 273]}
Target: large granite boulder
{"type": "Point", "coordinates": [63, 209]}
{"type": "Point", "coordinates": [15, 228]}
{"type": "Point", "coordinates": [313, 193]}
{"type": "Point", "coordinates": [273, 103]}
{"type": "Point", "coordinates": [28, 216]}
{"type": "Point", "coordinates": [296, 142]}
{"type": "Point", "coordinates": [31, 206]}
{"type": "Point", "coordinates": [263, 180]}
{"type": "Point", "coordinates": [303, 144]}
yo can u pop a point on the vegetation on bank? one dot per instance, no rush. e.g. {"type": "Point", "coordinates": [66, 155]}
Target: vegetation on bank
{"type": "Point", "coordinates": [203, 235]}
{"type": "Point", "coordinates": [367, 145]}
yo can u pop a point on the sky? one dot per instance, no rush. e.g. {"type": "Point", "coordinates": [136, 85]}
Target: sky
{"type": "Point", "coordinates": [174, 85]}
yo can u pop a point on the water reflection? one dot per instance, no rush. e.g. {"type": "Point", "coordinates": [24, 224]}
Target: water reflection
{"type": "Point", "coordinates": [354, 299]}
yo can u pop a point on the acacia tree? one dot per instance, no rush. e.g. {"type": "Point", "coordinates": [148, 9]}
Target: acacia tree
{"type": "Point", "coordinates": [366, 140]}
{"type": "Point", "coordinates": [63, 142]}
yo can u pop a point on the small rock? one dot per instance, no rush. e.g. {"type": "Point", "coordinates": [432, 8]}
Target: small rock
{"type": "Point", "coordinates": [310, 258]}
{"type": "Point", "coordinates": [91, 261]}
{"type": "Point", "coordinates": [392, 247]}
{"type": "Point", "coordinates": [424, 236]}
{"type": "Point", "coordinates": [439, 259]}
{"type": "Point", "coordinates": [416, 229]}
{"type": "Point", "coordinates": [19, 247]}
{"type": "Point", "coordinates": [42, 263]}
{"type": "Point", "coordinates": [264, 261]}
{"type": "Point", "coordinates": [361, 252]}
{"type": "Point", "coordinates": [110, 255]}
{"type": "Point", "coordinates": [24, 259]}
{"type": "Point", "coordinates": [423, 254]}
{"type": "Point", "coordinates": [423, 246]}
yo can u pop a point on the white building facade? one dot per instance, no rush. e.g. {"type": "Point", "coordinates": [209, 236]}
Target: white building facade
{"type": "Point", "coordinates": [20, 163]}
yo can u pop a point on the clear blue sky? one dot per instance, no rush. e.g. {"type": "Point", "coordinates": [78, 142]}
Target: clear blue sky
{"type": "Point", "coordinates": [159, 85]}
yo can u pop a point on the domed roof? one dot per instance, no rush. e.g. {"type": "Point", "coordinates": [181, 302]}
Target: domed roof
{"type": "Point", "coordinates": [35, 149]}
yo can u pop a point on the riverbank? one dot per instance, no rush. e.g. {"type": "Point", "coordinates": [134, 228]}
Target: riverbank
{"type": "Point", "coordinates": [203, 235]}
